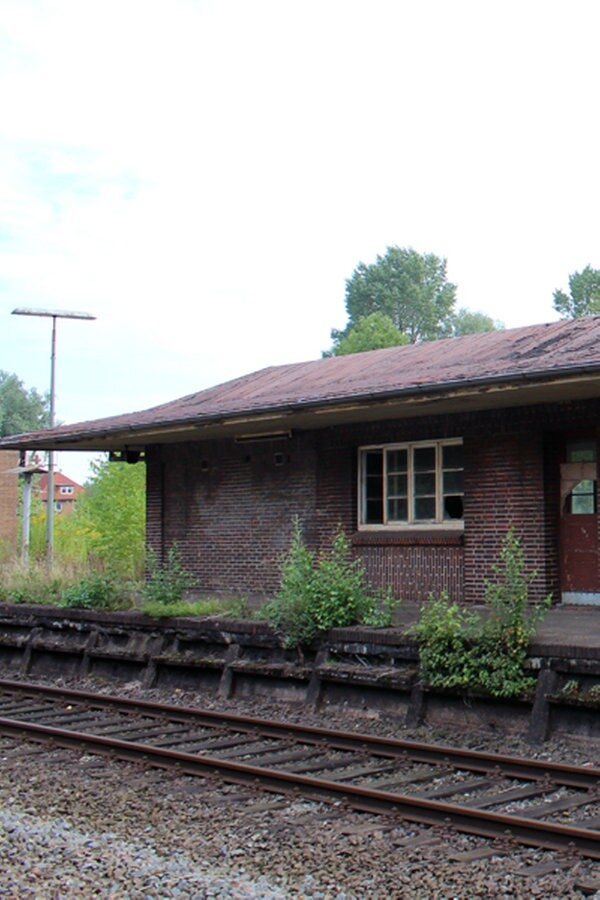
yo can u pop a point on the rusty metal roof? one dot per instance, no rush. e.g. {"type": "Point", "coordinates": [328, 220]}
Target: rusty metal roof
{"type": "Point", "coordinates": [562, 349]}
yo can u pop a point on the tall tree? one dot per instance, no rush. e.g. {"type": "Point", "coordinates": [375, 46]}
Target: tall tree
{"type": "Point", "coordinates": [374, 332]}
{"type": "Point", "coordinates": [409, 287]}
{"type": "Point", "coordinates": [583, 298]}
{"type": "Point", "coordinates": [20, 409]}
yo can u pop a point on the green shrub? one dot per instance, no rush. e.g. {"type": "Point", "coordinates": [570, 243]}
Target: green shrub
{"type": "Point", "coordinates": [93, 592]}
{"type": "Point", "coordinates": [167, 582]}
{"type": "Point", "coordinates": [485, 652]}
{"type": "Point", "coordinates": [322, 592]}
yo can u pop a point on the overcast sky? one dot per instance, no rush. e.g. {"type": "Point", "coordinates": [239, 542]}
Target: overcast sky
{"type": "Point", "coordinates": [204, 175]}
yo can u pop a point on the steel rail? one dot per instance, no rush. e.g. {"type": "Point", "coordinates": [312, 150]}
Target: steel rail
{"type": "Point", "coordinates": [390, 748]}
{"type": "Point", "coordinates": [431, 812]}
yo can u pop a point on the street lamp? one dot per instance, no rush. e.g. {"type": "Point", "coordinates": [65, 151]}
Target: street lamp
{"type": "Point", "coordinates": [53, 314]}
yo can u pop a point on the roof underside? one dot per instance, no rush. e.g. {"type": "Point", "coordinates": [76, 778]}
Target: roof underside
{"type": "Point", "coordinates": [537, 364]}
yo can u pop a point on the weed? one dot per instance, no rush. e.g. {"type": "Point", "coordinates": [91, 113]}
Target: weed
{"type": "Point", "coordinates": [464, 649]}
{"type": "Point", "coordinates": [322, 592]}
{"type": "Point", "coordinates": [96, 591]}
{"type": "Point", "coordinates": [167, 582]}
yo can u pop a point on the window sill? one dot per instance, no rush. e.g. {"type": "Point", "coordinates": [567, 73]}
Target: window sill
{"type": "Point", "coordinates": [433, 538]}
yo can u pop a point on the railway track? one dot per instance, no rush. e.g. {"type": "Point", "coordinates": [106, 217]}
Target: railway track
{"type": "Point", "coordinates": [527, 801]}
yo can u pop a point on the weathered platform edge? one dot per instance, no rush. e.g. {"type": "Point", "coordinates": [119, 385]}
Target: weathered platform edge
{"type": "Point", "coordinates": [364, 668]}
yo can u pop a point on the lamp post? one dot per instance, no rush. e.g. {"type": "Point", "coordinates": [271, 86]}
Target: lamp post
{"type": "Point", "coordinates": [53, 314]}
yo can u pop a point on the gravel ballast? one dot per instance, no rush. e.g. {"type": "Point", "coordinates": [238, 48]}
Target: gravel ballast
{"type": "Point", "coordinates": [75, 825]}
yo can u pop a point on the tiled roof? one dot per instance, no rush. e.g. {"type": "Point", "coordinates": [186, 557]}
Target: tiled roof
{"type": "Point", "coordinates": [519, 354]}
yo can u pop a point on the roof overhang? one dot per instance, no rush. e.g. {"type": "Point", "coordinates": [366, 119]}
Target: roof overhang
{"type": "Point", "coordinates": [444, 400]}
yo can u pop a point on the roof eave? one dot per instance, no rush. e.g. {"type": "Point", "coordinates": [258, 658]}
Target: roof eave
{"type": "Point", "coordinates": [477, 394]}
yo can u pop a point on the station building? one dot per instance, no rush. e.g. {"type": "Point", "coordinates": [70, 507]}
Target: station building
{"type": "Point", "coordinates": [426, 454]}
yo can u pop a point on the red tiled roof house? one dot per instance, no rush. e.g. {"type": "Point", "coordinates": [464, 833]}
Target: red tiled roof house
{"type": "Point", "coordinates": [426, 454]}
{"type": "Point", "coordinates": [66, 491]}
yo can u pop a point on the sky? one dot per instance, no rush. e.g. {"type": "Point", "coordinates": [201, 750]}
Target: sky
{"type": "Point", "coordinates": [204, 175]}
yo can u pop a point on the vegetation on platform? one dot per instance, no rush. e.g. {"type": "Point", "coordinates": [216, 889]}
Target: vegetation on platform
{"type": "Point", "coordinates": [323, 591]}
{"type": "Point", "coordinates": [468, 650]}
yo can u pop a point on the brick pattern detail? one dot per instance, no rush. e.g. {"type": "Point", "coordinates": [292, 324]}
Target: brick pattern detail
{"type": "Point", "coordinates": [9, 488]}
{"type": "Point", "coordinates": [230, 506]}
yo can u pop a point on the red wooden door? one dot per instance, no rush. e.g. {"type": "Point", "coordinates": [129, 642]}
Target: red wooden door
{"type": "Point", "coordinates": [579, 527]}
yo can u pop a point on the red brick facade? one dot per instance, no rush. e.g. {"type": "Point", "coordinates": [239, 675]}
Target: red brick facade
{"type": "Point", "coordinates": [230, 506]}
{"type": "Point", "coordinates": [8, 502]}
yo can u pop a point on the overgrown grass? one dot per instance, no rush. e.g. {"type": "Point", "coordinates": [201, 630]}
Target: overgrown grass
{"type": "Point", "coordinates": [231, 607]}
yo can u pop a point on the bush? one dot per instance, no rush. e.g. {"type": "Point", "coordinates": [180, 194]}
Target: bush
{"type": "Point", "coordinates": [470, 651]}
{"type": "Point", "coordinates": [167, 582]}
{"type": "Point", "coordinates": [319, 593]}
{"type": "Point", "coordinates": [93, 592]}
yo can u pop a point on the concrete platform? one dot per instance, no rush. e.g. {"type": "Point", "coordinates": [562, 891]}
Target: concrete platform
{"type": "Point", "coordinates": [569, 631]}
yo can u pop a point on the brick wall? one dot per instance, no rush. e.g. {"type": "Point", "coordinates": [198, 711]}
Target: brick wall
{"type": "Point", "coordinates": [8, 503]}
{"type": "Point", "coordinates": [230, 506]}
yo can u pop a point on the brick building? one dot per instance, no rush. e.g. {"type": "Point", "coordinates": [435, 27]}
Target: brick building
{"type": "Point", "coordinates": [426, 454]}
{"type": "Point", "coordinates": [9, 492]}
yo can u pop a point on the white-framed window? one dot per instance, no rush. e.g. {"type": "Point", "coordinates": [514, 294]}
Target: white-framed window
{"type": "Point", "coordinates": [66, 489]}
{"type": "Point", "coordinates": [411, 485]}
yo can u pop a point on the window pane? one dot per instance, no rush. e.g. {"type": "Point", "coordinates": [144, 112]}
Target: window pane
{"type": "Point", "coordinates": [584, 487]}
{"type": "Point", "coordinates": [396, 461]}
{"type": "Point", "coordinates": [424, 508]}
{"type": "Point", "coordinates": [374, 511]}
{"type": "Point", "coordinates": [583, 498]}
{"type": "Point", "coordinates": [425, 484]}
{"type": "Point", "coordinates": [582, 506]}
{"type": "Point", "coordinates": [424, 459]}
{"type": "Point", "coordinates": [373, 487]}
{"type": "Point", "coordinates": [397, 510]}
{"type": "Point", "coordinates": [374, 462]}
{"type": "Point", "coordinates": [453, 507]}
{"type": "Point", "coordinates": [581, 451]}
{"type": "Point", "coordinates": [397, 485]}
{"type": "Point", "coordinates": [453, 482]}
{"type": "Point", "coordinates": [452, 456]}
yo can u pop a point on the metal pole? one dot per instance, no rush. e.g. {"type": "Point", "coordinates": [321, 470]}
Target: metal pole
{"type": "Point", "coordinates": [26, 520]}
{"type": "Point", "coordinates": [50, 493]}
{"type": "Point", "coordinates": [54, 314]}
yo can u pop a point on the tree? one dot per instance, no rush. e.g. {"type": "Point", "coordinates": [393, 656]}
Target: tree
{"type": "Point", "coordinates": [465, 321]}
{"type": "Point", "coordinates": [583, 298]}
{"type": "Point", "coordinates": [374, 332]}
{"type": "Point", "coordinates": [20, 409]}
{"type": "Point", "coordinates": [409, 287]}
{"type": "Point", "coordinates": [113, 512]}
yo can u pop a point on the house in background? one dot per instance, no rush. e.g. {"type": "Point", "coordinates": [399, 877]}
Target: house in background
{"type": "Point", "coordinates": [66, 492]}
{"type": "Point", "coordinates": [426, 454]}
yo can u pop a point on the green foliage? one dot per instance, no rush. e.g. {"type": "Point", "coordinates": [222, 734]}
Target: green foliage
{"type": "Point", "coordinates": [168, 581]}
{"type": "Point", "coordinates": [96, 591]}
{"type": "Point", "coordinates": [374, 332]}
{"type": "Point", "coordinates": [409, 288]}
{"type": "Point", "coordinates": [403, 297]}
{"type": "Point", "coordinates": [21, 410]}
{"type": "Point", "coordinates": [583, 298]}
{"type": "Point", "coordinates": [445, 632]}
{"type": "Point", "coordinates": [465, 321]}
{"type": "Point", "coordinates": [31, 585]}
{"type": "Point", "coordinates": [464, 649]}
{"type": "Point", "coordinates": [321, 592]}
{"type": "Point", "coordinates": [111, 515]}
{"type": "Point", "coordinates": [230, 608]}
